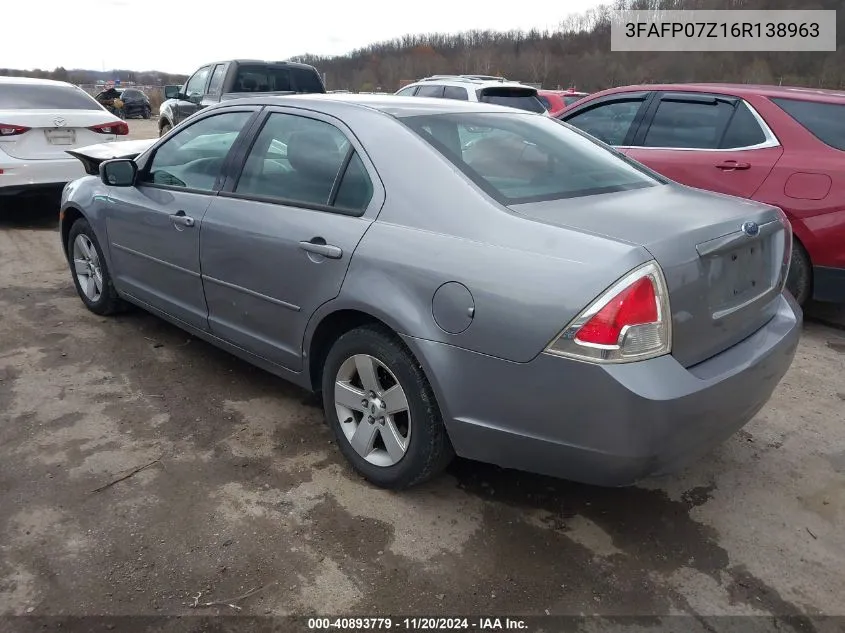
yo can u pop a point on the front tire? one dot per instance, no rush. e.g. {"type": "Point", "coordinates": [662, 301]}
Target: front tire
{"type": "Point", "coordinates": [799, 282]}
{"type": "Point", "coordinates": [90, 271]}
{"type": "Point", "coordinates": [164, 129]}
{"type": "Point", "coordinates": [146, 113]}
{"type": "Point", "coordinates": [382, 410]}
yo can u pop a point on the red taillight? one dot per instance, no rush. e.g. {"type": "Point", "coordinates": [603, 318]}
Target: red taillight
{"type": "Point", "coordinates": [7, 129]}
{"type": "Point", "coordinates": [630, 321]}
{"type": "Point", "coordinates": [636, 305]}
{"type": "Point", "coordinates": [118, 128]}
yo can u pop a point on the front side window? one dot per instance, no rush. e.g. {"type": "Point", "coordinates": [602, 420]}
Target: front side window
{"type": "Point", "coordinates": [406, 92]}
{"type": "Point", "coordinates": [688, 124]}
{"type": "Point", "coordinates": [193, 158]}
{"type": "Point", "coordinates": [822, 120]}
{"type": "Point", "coordinates": [300, 160]}
{"type": "Point", "coordinates": [609, 122]}
{"type": "Point", "coordinates": [196, 84]}
{"type": "Point", "coordinates": [45, 97]}
{"type": "Point", "coordinates": [518, 158]}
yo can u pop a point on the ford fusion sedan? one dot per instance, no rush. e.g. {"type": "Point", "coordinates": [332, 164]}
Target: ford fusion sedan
{"type": "Point", "coordinates": [534, 300]}
{"type": "Point", "coordinates": [39, 121]}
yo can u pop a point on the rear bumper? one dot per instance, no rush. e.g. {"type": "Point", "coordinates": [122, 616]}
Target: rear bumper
{"type": "Point", "coordinates": [829, 284]}
{"type": "Point", "coordinates": [21, 175]}
{"type": "Point", "coordinates": [606, 424]}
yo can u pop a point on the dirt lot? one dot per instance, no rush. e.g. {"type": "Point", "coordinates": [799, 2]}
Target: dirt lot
{"type": "Point", "coordinates": [247, 490]}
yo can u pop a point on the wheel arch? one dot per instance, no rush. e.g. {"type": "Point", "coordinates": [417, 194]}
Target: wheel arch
{"type": "Point", "coordinates": [69, 214]}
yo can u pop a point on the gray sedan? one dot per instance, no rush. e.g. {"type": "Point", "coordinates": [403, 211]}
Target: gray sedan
{"type": "Point", "coordinates": [455, 278]}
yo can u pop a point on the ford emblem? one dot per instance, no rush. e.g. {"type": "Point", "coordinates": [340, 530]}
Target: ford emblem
{"type": "Point", "coordinates": [750, 228]}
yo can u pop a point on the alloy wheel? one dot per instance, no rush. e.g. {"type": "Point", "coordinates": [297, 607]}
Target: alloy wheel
{"type": "Point", "coordinates": [86, 267]}
{"type": "Point", "coordinates": [373, 410]}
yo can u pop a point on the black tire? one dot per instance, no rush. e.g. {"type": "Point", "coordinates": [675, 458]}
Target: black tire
{"type": "Point", "coordinates": [799, 282]}
{"type": "Point", "coordinates": [146, 113]}
{"type": "Point", "coordinates": [108, 302]}
{"type": "Point", "coordinates": [164, 128]}
{"type": "Point", "coordinates": [429, 450]}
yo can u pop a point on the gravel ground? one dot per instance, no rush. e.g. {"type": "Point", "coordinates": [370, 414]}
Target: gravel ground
{"type": "Point", "coordinates": [245, 489]}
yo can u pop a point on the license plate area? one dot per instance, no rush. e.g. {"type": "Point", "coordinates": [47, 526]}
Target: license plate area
{"type": "Point", "coordinates": [740, 276]}
{"type": "Point", "coordinates": [60, 136]}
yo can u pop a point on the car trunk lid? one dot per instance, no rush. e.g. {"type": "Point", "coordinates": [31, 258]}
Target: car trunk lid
{"type": "Point", "coordinates": [92, 155]}
{"type": "Point", "coordinates": [51, 132]}
{"type": "Point", "coordinates": [722, 280]}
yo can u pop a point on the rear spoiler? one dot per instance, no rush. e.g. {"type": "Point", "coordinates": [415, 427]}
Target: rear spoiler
{"type": "Point", "coordinates": [92, 155]}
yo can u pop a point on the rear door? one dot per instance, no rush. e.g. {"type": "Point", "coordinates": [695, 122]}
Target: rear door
{"type": "Point", "coordinates": [43, 121]}
{"type": "Point", "coordinates": [277, 241]}
{"type": "Point", "coordinates": [613, 119]}
{"type": "Point", "coordinates": [709, 141]}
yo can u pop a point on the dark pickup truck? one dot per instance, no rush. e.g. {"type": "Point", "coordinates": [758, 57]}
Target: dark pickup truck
{"type": "Point", "coordinates": [234, 79]}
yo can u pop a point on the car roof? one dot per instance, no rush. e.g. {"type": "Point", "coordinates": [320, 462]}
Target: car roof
{"type": "Point", "coordinates": [263, 62]}
{"type": "Point", "coordinates": [464, 80]}
{"type": "Point", "coordinates": [33, 81]}
{"type": "Point", "coordinates": [739, 90]}
{"type": "Point", "coordinates": [393, 105]}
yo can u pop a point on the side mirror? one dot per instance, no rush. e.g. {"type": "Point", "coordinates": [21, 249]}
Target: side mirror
{"type": "Point", "coordinates": [119, 172]}
{"type": "Point", "coordinates": [171, 92]}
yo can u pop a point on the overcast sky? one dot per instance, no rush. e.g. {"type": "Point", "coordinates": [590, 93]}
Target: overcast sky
{"type": "Point", "coordinates": [171, 36]}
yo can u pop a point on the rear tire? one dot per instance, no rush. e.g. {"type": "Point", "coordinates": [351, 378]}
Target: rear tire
{"type": "Point", "coordinates": [423, 447]}
{"type": "Point", "coordinates": [799, 282]}
{"type": "Point", "coordinates": [147, 113]}
{"type": "Point", "coordinates": [164, 128]}
{"type": "Point", "coordinates": [90, 272]}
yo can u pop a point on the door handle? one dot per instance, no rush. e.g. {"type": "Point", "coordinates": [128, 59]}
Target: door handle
{"type": "Point", "coordinates": [318, 246]}
{"type": "Point", "coordinates": [180, 218]}
{"type": "Point", "coordinates": [730, 165]}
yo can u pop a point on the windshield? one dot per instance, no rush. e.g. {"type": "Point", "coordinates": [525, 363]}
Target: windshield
{"type": "Point", "coordinates": [516, 158]}
{"type": "Point", "coordinates": [26, 96]}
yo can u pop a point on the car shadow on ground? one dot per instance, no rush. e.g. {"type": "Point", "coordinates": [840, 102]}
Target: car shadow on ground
{"type": "Point", "coordinates": [32, 212]}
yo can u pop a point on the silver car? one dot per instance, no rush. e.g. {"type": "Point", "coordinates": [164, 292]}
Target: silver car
{"type": "Point", "coordinates": [455, 278]}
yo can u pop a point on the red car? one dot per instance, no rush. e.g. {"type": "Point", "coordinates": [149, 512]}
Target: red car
{"type": "Point", "coordinates": [556, 100]}
{"type": "Point", "coordinates": [780, 145]}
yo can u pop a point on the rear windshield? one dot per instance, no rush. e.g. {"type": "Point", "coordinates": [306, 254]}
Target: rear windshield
{"type": "Point", "coordinates": [276, 79]}
{"type": "Point", "coordinates": [825, 121]}
{"type": "Point", "coordinates": [516, 158]}
{"type": "Point", "coordinates": [132, 94]}
{"type": "Point", "coordinates": [513, 98]}
{"type": "Point", "coordinates": [45, 97]}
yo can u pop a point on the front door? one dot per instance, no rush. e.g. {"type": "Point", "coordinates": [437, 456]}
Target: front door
{"type": "Point", "coordinates": [194, 91]}
{"type": "Point", "coordinates": [154, 227]}
{"type": "Point", "coordinates": [277, 242]}
{"type": "Point", "coordinates": [707, 141]}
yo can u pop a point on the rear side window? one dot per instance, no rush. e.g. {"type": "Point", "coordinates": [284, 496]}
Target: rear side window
{"type": "Point", "coordinates": [518, 159]}
{"type": "Point", "coordinates": [215, 86]}
{"type": "Point", "coordinates": [823, 120]}
{"type": "Point", "coordinates": [297, 160]}
{"type": "Point", "coordinates": [306, 80]}
{"type": "Point", "coordinates": [688, 124]}
{"type": "Point", "coordinates": [743, 130]}
{"type": "Point", "coordinates": [430, 91]}
{"type": "Point", "coordinates": [455, 92]}
{"type": "Point", "coordinates": [263, 79]}
{"type": "Point", "coordinates": [45, 97]}
{"type": "Point", "coordinates": [512, 98]}
{"type": "Point", "coordinates": [609, 122]}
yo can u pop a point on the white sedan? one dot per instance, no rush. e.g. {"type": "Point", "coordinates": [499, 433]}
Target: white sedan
{"type": "Point", "coordinates": [40, 120]}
